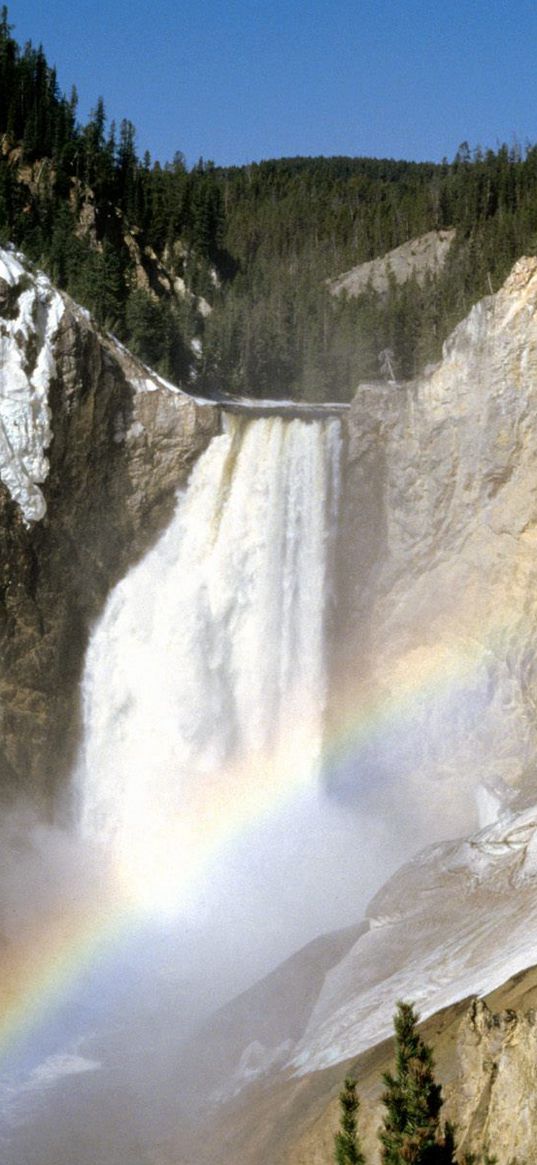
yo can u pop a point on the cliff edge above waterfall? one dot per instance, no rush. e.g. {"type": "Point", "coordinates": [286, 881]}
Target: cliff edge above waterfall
{"type": "Point", "coordinates": [93, 447]}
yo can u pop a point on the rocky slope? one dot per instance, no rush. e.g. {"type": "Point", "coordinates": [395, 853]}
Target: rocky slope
{"type": "Point", "coordinates": [417, 259]}
{"type": "Point", "coordinates": [438, 575]}
{"type": "Point", "coordinates": [431, 733]}
{"type": "Point", "coordinates": [92, 450]}
{"type": "Point", "coordinates": [484, 1052]}
{"type": "Point", "coordinates": [485, 1057]}
{"type": "Point", "coordinates": [467, 916]}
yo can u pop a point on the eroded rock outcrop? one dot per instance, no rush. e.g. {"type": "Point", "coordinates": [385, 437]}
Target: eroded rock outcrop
{"type": "Point", "coordinates": [486, 1058]}
{"type": "Point", "coordinates": [121, 442]}
{"type": "Point", "coordinates": [418, 259]}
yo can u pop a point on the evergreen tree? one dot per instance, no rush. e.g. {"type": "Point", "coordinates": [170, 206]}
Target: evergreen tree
{"type": "Point", "coordinates": [258, 242]}
{"type": "Point", "coordinates": [346, 1141]}
{"type": "Point", "coordinates": [411, 1133]}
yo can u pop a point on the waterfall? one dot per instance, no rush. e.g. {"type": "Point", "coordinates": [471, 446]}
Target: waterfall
{"type": "Point", "coordinates": [205, 679]}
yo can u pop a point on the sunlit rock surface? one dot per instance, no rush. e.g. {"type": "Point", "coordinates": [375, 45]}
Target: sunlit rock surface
{"type": "Point", "coordinates": [416, 259]}
{"type": "Point", "coordinates": [442, 670]}
{"type": "Point", "coordinates": [442, 505]}
{"type": "Point", "coordinates": [432, 722]}
{"type": "Point", "coordinates": [485, 1057]}
{"type": "Point", "coordinates": [457, 920]}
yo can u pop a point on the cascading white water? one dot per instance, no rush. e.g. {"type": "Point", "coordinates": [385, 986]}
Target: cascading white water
{"type": "Point", "coordinates": [205, 678]}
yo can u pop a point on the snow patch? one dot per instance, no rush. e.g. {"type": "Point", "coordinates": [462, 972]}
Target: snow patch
{"type": "Point", "coordinates": [27, 366]}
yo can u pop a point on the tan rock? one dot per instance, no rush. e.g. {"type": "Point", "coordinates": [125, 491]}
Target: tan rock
{"type": "Point", "coordinates": [442, 509]}
{"type": "Point", "coordinates": [419, 258]}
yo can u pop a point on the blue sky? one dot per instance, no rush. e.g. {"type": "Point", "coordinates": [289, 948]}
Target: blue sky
{"type": "Point", "coordinates": [240, 81]}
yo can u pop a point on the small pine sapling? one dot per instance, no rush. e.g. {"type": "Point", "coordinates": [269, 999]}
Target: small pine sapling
{"type": "Point", "coordinates": [411, 1132]}
{"type": "Point", "coordinates": [346, 1141]}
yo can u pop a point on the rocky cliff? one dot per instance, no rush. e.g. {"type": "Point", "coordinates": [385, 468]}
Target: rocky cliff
{"type": "Point", "coordinates": [442, 500]}
{"type": "Point", "coordinates": [437, 701]}
{"type": "Point", "coordinates": [93, 448]}
{"type": "Point", "coordinates": [484, 1053]}
{"type": "Point", "coordinates": [432, 732]}
{"type": "Point", "coordinates": [431, 725]}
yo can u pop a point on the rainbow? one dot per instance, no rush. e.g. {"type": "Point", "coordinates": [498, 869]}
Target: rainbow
{"type": "Point", "coordinates": [39, 971]}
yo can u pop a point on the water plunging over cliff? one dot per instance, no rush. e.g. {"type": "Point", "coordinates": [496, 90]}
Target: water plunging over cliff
{"type": "Point", "coordinates": [205, 678]}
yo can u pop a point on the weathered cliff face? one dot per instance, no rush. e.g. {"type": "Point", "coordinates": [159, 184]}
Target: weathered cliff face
{"type": "Point", "coordinates": [442, 474]}
{"type": "Point", "coordinates": [118, 442]}
{"type": "Point", "coordinates": [485, 1058]}
{"type": "Point", "coordinates": [439, 584]}
{"type": "Point", "coordinates": [434, 698]}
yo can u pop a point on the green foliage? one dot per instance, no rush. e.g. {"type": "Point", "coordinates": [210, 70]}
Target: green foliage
{"type": "Point", "coordinates": [292, 224]}
{"type": "Point", "coordinates": [258, 242]}
{"type": "Point", "coordinates": [155, 334]}
{"type": "Point", "coordinates": [80, 203]}
{"type": "Point", "coordinates": [411, 1133]}
{"type": "Point", "coordinates": [411, 1130]}
{"type": "Point", "coordinates": [346, 1142]}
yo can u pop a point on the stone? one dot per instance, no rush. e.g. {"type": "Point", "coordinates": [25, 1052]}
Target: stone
{"type": "Point", "coordinates": [419, 259]}
{"type": "Point", "coordinates": [123, 443]}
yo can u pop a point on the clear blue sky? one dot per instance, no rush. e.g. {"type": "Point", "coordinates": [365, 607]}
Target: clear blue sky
{"type": "Point", "coordinates": [240, 81]}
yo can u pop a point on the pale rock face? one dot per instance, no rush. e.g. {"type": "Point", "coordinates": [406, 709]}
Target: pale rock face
{"type": "Point", "coordinates": [444, 663]}
{"type": "Point", "coordinates": [496, 1098]}
{"type": "Point", "coordinates": [445, 608]}
{"type": "Point", "coordinates": [486, 1060]}
{"type": "Point", "coordinates": [435, 684]}
{"type": "Point", "coordinates": [416, 259]}
{"type": "Point", "coordinates": [458, 920]}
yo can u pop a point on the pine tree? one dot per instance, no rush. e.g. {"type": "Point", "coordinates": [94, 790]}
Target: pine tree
{"type": "Point", "coordinates": [346, 1141]}
{"type": "Point", "coordinates": [411, 1133]}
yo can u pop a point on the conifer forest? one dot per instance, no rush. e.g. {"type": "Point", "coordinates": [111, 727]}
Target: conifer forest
{"type": "Point", "coordinates": [219, 275]}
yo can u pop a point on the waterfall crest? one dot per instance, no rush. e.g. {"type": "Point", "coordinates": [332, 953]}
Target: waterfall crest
{"type": "Point", "coordinates": [205, 678]}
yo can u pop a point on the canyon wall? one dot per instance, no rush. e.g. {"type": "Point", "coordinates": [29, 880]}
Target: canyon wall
{"type": "Point", "coordinates": [432, 730]}
{"type": "Point", "coordinates": [431, 726]}
{"type": "Point", "coordinates": [119, 443]}
{"type": "Point", "coordinates": [439, 571]}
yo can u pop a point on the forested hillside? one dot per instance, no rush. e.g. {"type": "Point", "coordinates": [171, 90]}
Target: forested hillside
{"type": "Point", "coordinates": [219, 274]}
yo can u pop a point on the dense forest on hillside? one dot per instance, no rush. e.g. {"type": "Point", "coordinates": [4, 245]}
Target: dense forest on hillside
{"type": "Point", "coordinates": [219, 274]}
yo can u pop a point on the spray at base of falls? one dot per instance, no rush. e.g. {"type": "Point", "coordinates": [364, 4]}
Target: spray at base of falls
{"type": "Point", "coordinates": [205, 679]}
